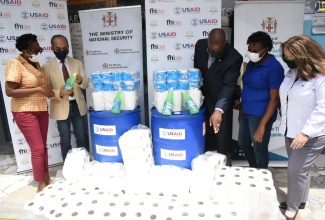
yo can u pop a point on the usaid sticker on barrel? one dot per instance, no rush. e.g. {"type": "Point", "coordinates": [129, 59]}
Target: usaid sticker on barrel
{"type": "Point", "coordinates": [107, 150]}
{"type": "Point", "coordinates": [172, 134]}
{"type": "Point", "coordinates": [105, 129]}
{"type": "Point", "coordinates": [173, 154]}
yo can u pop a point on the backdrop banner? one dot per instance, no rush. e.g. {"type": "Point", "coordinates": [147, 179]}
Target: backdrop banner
{"type": "Point", "coordinates": [173, 28]}
{"type": "Point", "coordinates": [43, 18]}
{"type": "Point", "coordinates": [112, 40]}
{"type": "Point", "coordinates": [282, 20]}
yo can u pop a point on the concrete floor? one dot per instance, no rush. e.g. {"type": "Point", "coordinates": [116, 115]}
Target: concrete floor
{"type": "Point", "coordinates": [16, 190]}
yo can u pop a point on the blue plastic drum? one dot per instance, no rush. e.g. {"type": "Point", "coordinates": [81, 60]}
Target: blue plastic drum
{"type": "Point", "coordinates": [177, 139]}
{"type": "Point", "coordinates": [106, 128]}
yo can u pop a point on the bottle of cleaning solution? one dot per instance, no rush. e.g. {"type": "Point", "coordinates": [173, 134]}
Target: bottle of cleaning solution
{"type": "Point", "coordinates": [168, 104]}
{"type": "Point", "coordinates": [69, 84]}
{"type": "Point", "coordinates": [191, 106]}
{"type": "Point", "coordinates": [116, 108]}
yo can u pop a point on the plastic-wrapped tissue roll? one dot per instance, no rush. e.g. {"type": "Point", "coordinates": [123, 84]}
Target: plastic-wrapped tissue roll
{"type": "Point", "coordinates": [130, 75]}
{"type": "Point", "coordinates": [118, 75]}
{"type": "Point", "coordinates": [194, 74]}
{"type": "Point", "coordinates": [108, 77]}
{"type": "Point", "coordinates": [98, 87]}
{"type": "Point", "coordinates": [117, 85]}
{"type": "Point", "coordinates": [182, 74]}
{"type": "Point", "coordinates": [108, 87]}
{"type": "Point", "coordinates": [172, 75]}
{"type": "Point", "coordinates": [160, 75]}
{"type": "Point", "coordinates": [236, 191]}
{"type": "Point", "coordinates": [160, 86]}
{"type": "Point", "coordinates": [197, 97]}
{"type": "Point", "coordinates": [201, 187]}
{"type": "Point", "coordinates": [262, 173]}
{"type": "Point", "coordinates": [204, 168]}
{"type": "Point", "coordinates": [182, 85]}
{"type": "Point", "coordinates": [251, 172]}
{"type": "Point", "coordinates": [74, 164]}
{"type": "Point", "coordinates": [172, 84]}
{"type": "Point", "coordinates": [223, 170]}
{"type": "Point", "coordinates": [237, 170]}
{"type": "Point", "coordinates": [109, 99]}
{"type": "Point", "coordinates": [252, 196]}
{"type": "Point", "coordinates": [96, 78]}
{"type": "Point", "coordinates": [268, 199]}
{"type": "Point", "coordinates": [98, 101]}
{"type": "Point", "coordinates": [177, 105]}
{"type": "Point", "coordinates": [159, 100]}
{"type": "Point", "coordinates": [220, 188]}
{"type": "Point", "coordinates": [130, 100]}
{"type": "Point", "coordinates": [194, 84]}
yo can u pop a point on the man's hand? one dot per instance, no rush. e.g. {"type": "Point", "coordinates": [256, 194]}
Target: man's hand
{"type": "Point", "coordinates": [64, 93]}
{"type": "Point", "coordinates": [299, 141]}
{"type": "Point", "coordinates": [78, 79]}
{"type": "Point", "coordinates": [215, 120]}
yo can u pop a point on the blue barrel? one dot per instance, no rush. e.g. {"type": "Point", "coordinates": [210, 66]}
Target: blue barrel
{"type": "Point", "coordinates": [177, 139]}
{"type": "Point", "coordinates": [106, 128]}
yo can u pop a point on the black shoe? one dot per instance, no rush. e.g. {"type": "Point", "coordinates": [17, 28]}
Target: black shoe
{"type": "Point", "coordinates": [283, 205]}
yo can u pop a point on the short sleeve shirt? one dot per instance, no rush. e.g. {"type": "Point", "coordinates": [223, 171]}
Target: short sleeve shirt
{"type": "Point", "coordinates": [257, 83]}
{"type": "Point", "coordinates": [20, 71]}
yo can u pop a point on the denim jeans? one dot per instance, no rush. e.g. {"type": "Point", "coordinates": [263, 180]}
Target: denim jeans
{"type": "Point", "coordinates": [257, 155]}
{"type": "Point", "coordinates": [79, 130]}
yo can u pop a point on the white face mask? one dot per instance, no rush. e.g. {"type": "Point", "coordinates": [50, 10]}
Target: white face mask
{"type": "Point", "coordinates": [254, 57]}
{"type": "Point", "coordinates": [36, 58]}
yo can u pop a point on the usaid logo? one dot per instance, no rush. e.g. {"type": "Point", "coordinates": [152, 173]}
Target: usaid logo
{"type": "Point", "coordinates": [11, 38]}
{"type": "Point", "coordinates": [53, 145]}
{"type": "Point", "coordinates": [5, 14]}
{"type": "Point", "coordinates": [195, 22]}
{"type": "Point", "coordinates": [36, 4]}
{"type": "Point", "coordinates": [104, 129]}
{"type": "Point", "coordinates": [24, 14]}
{"type": "Point", "coordinates": [173, 155]}
{"type": "Point", "coordinates": [21, 141]}
{"type": "Point", "coordinates": [170, 22]}
{"type": "Point", "coordinates": [186, 10]}
{"type": "Point", "coordinates": [44, 27]}
{"type": "Point", "coordinates": [172, 134]}
{"type": "Point", "coordinates": [154, 35]}
{"type": "Point", "coordinates": [56, 5]}
{"type": "Point", "coordinates": [107, 150]}
{"type": "Point", "coordinates": [2, 39]}
{"type": "Point", "coordinates": [10, 2]}
{"type": "Point", "coordinates": [177, 46]}
{"type": "Point", "coordinates": [47, 49]}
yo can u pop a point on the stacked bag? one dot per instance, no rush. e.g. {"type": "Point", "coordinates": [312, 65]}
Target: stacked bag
{"type": "Point", "coordinates": [106, 86]}
{"type": "Point", "coordinates": [177, 86]}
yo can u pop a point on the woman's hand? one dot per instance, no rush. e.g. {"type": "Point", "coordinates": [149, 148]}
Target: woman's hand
{"type": "Point", "coordinates": [299, 141]}
{"type": "Point", "coordinates": [259, 133]}
{"type": "Point", "coordinates": [47, 91]}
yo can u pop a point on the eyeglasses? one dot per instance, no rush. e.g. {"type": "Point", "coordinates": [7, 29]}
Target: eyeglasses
{"type": "Point", "coordinates": [36, 51]}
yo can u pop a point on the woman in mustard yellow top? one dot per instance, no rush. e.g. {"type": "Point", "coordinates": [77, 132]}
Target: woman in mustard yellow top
{"type": "Point", "coordinates": [28, 86]}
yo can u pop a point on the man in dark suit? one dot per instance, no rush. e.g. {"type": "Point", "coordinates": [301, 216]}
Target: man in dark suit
{"type": "Point", "coordinates": [220, 66]}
